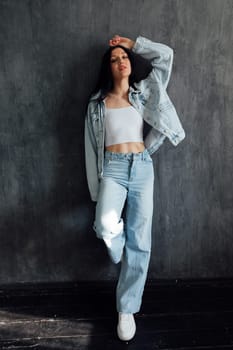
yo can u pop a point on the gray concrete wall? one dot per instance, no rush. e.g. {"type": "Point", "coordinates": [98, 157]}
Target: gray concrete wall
{"type": "Point", "coordinates": [50, 51]}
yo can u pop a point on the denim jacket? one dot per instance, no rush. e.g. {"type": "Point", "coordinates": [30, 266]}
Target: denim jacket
{"type": "Point", "coordinates": [151, 101]}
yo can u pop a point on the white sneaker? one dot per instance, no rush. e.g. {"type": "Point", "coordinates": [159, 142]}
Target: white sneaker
{"type": "Point", "coordinates": [126, 327]}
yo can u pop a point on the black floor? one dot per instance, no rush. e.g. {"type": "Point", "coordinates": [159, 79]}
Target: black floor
{"type": "Point", "coordinates": [175, 315]}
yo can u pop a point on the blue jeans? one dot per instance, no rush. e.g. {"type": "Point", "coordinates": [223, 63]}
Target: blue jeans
{"type": "Point", "coordinates": [127, 184]}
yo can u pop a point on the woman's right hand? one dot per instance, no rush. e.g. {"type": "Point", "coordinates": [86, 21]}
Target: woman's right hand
{"type": "Point", "coordinates": [120, 40]}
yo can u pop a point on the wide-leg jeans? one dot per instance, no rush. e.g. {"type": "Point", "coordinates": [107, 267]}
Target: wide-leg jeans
{"type": "Point", "coordinates": [127, 186]}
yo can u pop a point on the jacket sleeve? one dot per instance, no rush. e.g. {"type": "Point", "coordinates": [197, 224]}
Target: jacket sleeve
{"type": "Point", "coordinates": [91, 158]}
{"type": "Point", "coordinates": [160, 55]}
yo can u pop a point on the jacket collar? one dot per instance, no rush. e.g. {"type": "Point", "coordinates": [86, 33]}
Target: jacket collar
{"type": "Point", "coordinates": [132, 90]}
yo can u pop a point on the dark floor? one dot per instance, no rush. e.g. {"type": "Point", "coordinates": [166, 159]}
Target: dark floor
{"type": "Point", "coordinates": [174, 315]}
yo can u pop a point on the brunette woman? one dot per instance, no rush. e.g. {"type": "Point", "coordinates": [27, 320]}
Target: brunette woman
{"type": "Point", "coordinates": [128, 117]}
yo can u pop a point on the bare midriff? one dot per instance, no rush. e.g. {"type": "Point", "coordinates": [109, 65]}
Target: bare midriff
{"type": "Point", "coordinates": [127, 147]}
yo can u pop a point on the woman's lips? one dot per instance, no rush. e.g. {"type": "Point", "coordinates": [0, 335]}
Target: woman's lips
{"type": "Point", "coordinates": [122, 67]}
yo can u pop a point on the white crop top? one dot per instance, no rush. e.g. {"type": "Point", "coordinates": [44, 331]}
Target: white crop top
{"type": "Point", "coordinates": [122, 125]}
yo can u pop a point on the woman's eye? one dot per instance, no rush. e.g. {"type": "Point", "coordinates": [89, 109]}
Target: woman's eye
{"type": "Point", "coordinates": [113, 60]}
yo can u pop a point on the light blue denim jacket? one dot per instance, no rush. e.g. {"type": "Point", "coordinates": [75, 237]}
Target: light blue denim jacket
{"type": "Point", "coordinates": [152, 102]}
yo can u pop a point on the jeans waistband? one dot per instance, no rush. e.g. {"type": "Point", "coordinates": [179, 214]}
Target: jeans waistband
{"type": "Point", "coordinates": [127, 156]}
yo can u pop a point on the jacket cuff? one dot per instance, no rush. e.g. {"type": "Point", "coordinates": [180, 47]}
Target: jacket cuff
{"type": "Point", "coordinates": [151, 49]}
{"type": "Point", "coordinates": [138, 43]}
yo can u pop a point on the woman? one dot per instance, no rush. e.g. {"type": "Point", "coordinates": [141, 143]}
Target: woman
{"type": "Point", "coordinates": [131, 94]}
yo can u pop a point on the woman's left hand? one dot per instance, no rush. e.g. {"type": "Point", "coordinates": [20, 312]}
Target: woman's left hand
{"type": "Point", "coordinates": [120, 40]}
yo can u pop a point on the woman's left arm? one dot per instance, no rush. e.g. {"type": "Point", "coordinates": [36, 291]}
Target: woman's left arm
{"type": "Point", "coordinates": [160, 55]}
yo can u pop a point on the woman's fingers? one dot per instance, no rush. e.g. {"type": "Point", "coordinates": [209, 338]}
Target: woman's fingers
{"type": "Point", "coordinates": [115, 40]}
{"type": "Point", "coordinates": [121, 40]}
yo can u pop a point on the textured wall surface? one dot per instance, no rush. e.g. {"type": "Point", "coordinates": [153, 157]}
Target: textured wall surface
{"type": "Point", "coordinates": [50, 51]}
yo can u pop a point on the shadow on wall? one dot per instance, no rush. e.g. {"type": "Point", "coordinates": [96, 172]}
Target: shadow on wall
{"type": "Point", "coordinates": [73, 207]}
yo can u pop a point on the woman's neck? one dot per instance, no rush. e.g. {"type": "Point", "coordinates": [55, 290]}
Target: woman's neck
{"type": "Point", "coordinates": [121, 88]}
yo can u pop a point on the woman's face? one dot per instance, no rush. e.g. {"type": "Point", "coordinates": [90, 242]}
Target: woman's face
{"type": "Point", "coordinates": [120, 64]}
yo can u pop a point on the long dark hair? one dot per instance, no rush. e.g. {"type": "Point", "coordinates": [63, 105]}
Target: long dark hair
{"type": "Point", "coordinates": [140, 69]}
